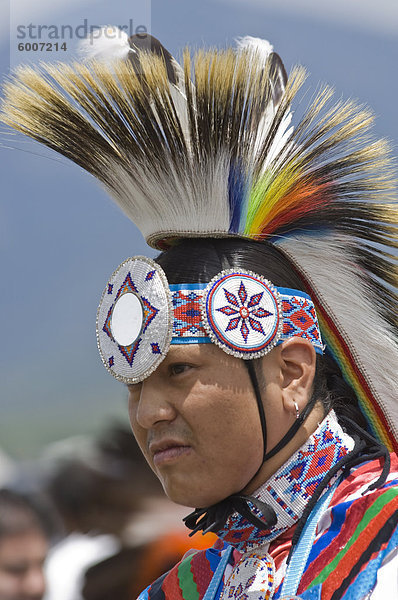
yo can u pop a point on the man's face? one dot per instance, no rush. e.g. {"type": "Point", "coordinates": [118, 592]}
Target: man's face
{"type": "Point", "coordinates": [21, 566]}
{"type": "Point", "coordinates": [197, 422]}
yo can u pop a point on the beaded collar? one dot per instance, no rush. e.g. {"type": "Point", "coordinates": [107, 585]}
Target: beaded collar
{"type": "Point", "coordinates": [291, 487]}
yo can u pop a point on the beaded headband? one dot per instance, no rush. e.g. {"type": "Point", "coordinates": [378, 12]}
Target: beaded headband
{"type": "Point", "coordinates": [140, 315]}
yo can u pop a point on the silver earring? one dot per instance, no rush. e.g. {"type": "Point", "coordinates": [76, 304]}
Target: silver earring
{"type": "Point", "coordinates": [297, 409]}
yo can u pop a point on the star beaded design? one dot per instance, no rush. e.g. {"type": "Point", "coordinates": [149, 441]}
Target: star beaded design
{"type": "Point", "coordinates": [149, 313]}
{"type": "Point", "coordinates": [134, 320]}
{"type": "Point", "coordinates": [243, 310]}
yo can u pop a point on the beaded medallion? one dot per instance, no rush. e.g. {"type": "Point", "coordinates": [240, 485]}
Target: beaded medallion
{"type": "Point", "coordinates": [242, 313]}
{"type": "Point", "coordinates": [134, 320]}
{"type": "Point", "coordinates": [252, 578]}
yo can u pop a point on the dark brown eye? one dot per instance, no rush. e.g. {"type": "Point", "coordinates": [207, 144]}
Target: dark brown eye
{"type": "Point", "coordinates": [16, 570]}
{"type": "Point", "coordinates": [178, 368]}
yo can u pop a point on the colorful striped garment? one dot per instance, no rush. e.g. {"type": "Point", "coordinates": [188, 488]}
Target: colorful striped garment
{"type": "Point", "coordinates": [354, 552]}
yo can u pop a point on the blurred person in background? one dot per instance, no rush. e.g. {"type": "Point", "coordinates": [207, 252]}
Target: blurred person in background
{"type": "Point", "coordinates": [23, 548]}
{"type": "Point", "coordinates": [118, 531]}
{"type": "Point", "coordinates": [96, 487]}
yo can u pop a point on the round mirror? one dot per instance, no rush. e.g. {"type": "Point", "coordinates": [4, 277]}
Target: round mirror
{"type": "Point", "coordinates": [126, 320]}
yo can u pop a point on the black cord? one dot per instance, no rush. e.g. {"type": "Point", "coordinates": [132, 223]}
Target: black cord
{"type": "Point", "coordinates": [293, 429]}
{"type": "Point", "coordinates": [250, 364]}
{"type": "Point", "coordinates": [214, 517]}
{"type": "Point", "coordinates": [376, 450]}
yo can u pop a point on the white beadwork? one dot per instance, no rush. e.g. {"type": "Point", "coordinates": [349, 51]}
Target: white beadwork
{"type": "Point", "coordinates": [252, 578]}
{"type": "Point", "coordinates": [147, 282]}
{"type": "Point", "coordinates": [242, 313]}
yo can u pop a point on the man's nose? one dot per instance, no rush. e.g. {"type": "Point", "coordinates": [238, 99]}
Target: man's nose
{"type": "Point", "coordinates": [34, 584]}
{"type": "Point", "coordinates": [154, 404]}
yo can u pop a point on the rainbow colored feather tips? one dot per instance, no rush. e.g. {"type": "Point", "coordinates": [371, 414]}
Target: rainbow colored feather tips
{"type": "Point", "coordinates": [207, 149]}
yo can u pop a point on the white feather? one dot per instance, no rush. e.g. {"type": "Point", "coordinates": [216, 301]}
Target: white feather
{"type": "Point", "coordinates": [199, 197]}
{"type": "Point", "coordinates": [280, 143]}
{"type": "Point", "coordinates": [107, 44]}
{"type": "Point", "coordinates": [256, 45]}
{"type": "Point", "coordinates": [262, 48]}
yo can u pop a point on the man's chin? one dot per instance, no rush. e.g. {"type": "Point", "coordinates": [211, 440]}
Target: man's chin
{"type": "Point", "coordinates": [191, 500]}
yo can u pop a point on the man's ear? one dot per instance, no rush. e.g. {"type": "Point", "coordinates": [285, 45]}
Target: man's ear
{"type": "Point", "coordinates": [298, 371]}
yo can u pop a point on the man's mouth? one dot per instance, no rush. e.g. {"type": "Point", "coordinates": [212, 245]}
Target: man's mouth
{"type": "Point", "coordinates": [165, 451]}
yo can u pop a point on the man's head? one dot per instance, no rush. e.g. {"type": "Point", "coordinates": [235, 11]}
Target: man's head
{"type": "Point", "coordinates": [23, 549]}
{"type": "Point", "coordinates": [196, 417]}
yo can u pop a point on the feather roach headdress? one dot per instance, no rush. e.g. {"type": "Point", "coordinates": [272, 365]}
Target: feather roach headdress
{"type": "Point", "coordinates": [207, 149]}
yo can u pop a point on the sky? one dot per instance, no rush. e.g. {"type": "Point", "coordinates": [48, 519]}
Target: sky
{"type": "Point", "coordinates": [361, 15]}
{"type": "Point", "coordinates": [60, 235]}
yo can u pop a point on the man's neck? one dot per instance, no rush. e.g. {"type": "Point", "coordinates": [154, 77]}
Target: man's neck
{"type": "Point", "coordinates": [272, 465]}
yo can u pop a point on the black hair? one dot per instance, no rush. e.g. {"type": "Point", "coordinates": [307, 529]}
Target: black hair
{"type": "Point", "coordinates": [198, 260]}
{"type": "Point", "coordinates": [20, 513]}
{"type": "Point", "coordinates": [103, 490]}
